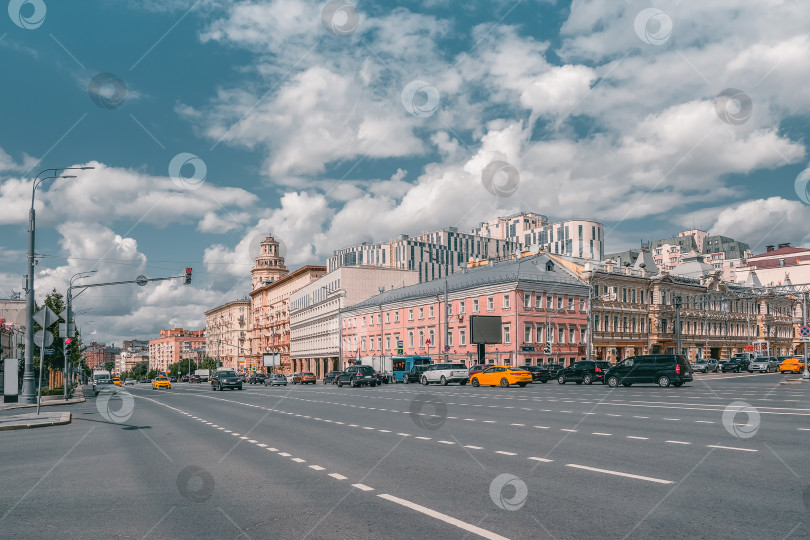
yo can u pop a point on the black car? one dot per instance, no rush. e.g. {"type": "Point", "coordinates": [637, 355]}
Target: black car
{"type": "Point", "coordinates": [184, 378]}
{"type": "Point", "coordinates": [415, 374]}
{"type": "Point", "coordinates": [172, 379]}
{"type": "Point", "coordinates": [554, 369]}
{"type": "Point", "coordinates": [256, 378]}
{"type": "Point", "coordinates": [664, 369]}
{"type": "Point", "coordinates": [539, 373]}
{"type": "Point", "coordinates": [732, 364]}
{"type": "Point", "coordinates": [331, 377]}
{"type": "Point", "coordinates": [585, 371]}
{"type": "Point", "coordinates": [358, 376]}
{"type": "Point", "coordinates": [225, 379]}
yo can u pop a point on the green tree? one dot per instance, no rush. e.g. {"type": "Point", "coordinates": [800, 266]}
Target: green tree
{"type": "Point", "coordinates": [56, 303]}
{"type": "Point", "coordinates": [152, 374]}
{"type": "Point", "coordinates": [209, 363]}
{"type": "Point", "coordinates": [109, 366]}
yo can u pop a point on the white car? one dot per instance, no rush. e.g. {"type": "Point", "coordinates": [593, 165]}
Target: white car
{"type": "Point", "coordinates": [445, 374]}
{"type": "Point", "coordinates": [130, 381]}
{"type": "Point", "coordinates": [763, 364]}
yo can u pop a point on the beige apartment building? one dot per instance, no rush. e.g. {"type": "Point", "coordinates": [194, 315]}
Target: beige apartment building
{"type": "Point", "coordinates": [174, 345]}
{"type": "Point", "coordinates": [226, 333]}
{"type": "Point", "coordinates": [315, 312]}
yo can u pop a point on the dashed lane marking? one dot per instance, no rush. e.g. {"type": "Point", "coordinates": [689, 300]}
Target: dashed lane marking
{"type": "Point", "coordinates": [337, 476]}
{"type": "Point", "coordinates": [731, 448]}
{"type": "Point", "coordinates": [544, 460]}
{"type": "Point", "coordinates": [363, 487]}
{"type": "Point", "coordinates": [678, 442]}
{"type": "Point", "coordinates": [617, 473]}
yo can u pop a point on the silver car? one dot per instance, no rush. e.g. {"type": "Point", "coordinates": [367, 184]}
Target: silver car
{"type": "Point", "coordinates": [706, 365]}
{"type": "Point", "coordinates": [763, 364]}
{"type": "Point", "coordinates": [275, 379]}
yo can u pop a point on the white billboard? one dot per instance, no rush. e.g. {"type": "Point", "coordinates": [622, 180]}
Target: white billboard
{"type": "Point", "coordinates": [271, 359]}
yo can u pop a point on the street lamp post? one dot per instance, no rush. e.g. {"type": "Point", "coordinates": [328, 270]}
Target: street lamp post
{"type": "Point", "coordinates": [28, 386]}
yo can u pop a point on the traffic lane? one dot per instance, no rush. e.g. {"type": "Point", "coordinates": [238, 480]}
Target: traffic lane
{"type": "Point", "coordinates": [132, 484]}
{"type": "Point", "coordinates": [290, 445]}
{"type": "Point", "coordinates": [442, 476]}
{"type": "Point", "coordinates": [705, 418]}
{"type": "Point", "coordinates": [443, 454]}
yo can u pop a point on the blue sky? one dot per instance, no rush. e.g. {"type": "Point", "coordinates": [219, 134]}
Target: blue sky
{"type": "Point", "coordinates": [304, 116]}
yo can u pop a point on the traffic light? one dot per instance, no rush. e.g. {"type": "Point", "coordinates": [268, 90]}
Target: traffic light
{"type": "Point", "coordinates": [547, 348]}
{"type": "Point", "coordinates": [68, 341]}
{"type": "Point", "coordinates": [187, 280]}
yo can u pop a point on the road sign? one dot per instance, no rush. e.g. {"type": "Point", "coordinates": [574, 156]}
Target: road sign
{"type": "Point", "coordinates": [40, 316]}
{"type": "Point", "coordinates": [400, 351]}
{"type": "Point", "coordinates": [141, 280]}
{"type": "Point", "coordinates": [67, 329]}
{"type": "Point", "coordinates": [41, 336]}
{"type": "Point", "coordinates": [400, 343]}
{"type": "Point", "coordinates": [49, 352]}
{"type": "Point", "coordinates": [804, 339]}
{"type": "Point", "coordinates": [446, 348]}
{"type": "Point", "coordinates": [804, 331]}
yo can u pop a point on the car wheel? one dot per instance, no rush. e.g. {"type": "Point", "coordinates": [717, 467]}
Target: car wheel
{"type": "Point", "coordinates": [340, 384]}
{"type": "Point", "coordinates": [504, 383]}
{"type": "Point", "coordinates": [405, 379]}
{"type": "Point", "coordinates": [588, 378]}
{"type": "Point", "coordinates": [522, 384]}
{"type": "Point", "coordinates": [443, 381]}
{"type": "Point", "coordinates": [677, 384]}
{"type": "Point", "coordinates": [424, 381]}
{"type": "Point", "coordinates": [544, 381]}
{"type": "Point", "coordinates": [373, 384]}
{"type": "Point", "coordinates": [561, 378]}
{"type": "Point", "coordinates": [613, 381]}
{"type": "Point", "coordinates": [663, 381]}
{"type": "Point", "coordinates": [474, 382]}
{"type": "Point", "coordinates": [353, 383]}
{"type": "Point", "coordinates": [324, 382]}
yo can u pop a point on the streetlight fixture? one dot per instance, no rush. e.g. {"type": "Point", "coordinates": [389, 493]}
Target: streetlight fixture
{"type": "Point", "coordinates": [28, 386]}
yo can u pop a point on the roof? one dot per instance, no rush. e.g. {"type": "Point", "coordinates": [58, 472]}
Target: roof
{"type": "Point", "coordinates": [531, 269]}
{"type": "Point", "coordinates": [782, 251]}
{"type": "Point", "coordinates": [692, 266]}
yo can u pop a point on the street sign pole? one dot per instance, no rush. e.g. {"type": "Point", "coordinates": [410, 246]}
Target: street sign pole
{"type": "Point", "coordinates": [46, 322]}
{"type": "Point", "coordinates": [805, 373]}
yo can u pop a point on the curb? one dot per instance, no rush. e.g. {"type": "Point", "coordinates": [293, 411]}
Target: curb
{"type": "Point", "coordinates": [63, 419]}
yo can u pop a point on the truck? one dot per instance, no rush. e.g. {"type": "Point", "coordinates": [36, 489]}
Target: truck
{"type": "Point", "coordinates": [100, 374]}
{"type": "Point", "coordinates": [382, 365]}
{"type": "Point", "coordinates": [203, 374]}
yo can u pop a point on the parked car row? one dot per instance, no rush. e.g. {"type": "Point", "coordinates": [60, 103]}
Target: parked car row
{"type": "Point", "coordinates": [745, 362]}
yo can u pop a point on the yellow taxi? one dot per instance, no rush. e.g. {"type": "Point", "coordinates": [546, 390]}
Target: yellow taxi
{"type": "Point", "coordinates": [503, 376]}
{"type": "Point", "coordinates": [161, 382]}
{"type": "Point", "coordinates": [792, 365]}
{"type": "Point", "coordinates": [117, 381]}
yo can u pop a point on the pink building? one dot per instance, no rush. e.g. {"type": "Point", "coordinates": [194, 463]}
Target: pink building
{"type": "Point", "coordinates": [535, 296]}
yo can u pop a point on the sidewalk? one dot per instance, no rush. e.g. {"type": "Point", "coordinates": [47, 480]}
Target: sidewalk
{"type": "Point", "coordinates": [31, 420]}
{"type": "Point", "coordinates": [78, 397]}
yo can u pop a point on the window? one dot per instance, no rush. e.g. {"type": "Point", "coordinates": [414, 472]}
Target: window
{"type": "Point", "coordinates": [559, 301]}
{"type": "Point", "coordinates": [571, 303]}
{"type": "Point", "coordinates": [538, 300]}
{"type": "Point", "coordinates": [507, 338]}
{"type": "Point", "coordinates": [561, 335]}
{"type": "Point", "coordinates": [421, 313]}
{"type": "Point", "coordinates": [624, 294]}
{"type": "Point", "coordinates": [505, 301]}
{"type": "Point", "coordinates": [421, 338]}
{"type": "Point", "coordinates": [462, 337]}
{"type": "Point", "coordinates": [396, 316]}
{"type": "Point", "coordinates": [449, 337]}
{"type": "Point", "coordinates": [432, 337]}
{"type": "Point", "coordinates": [527, 333]}
{"type": "Point", "coordinates": [582, 335]}
{"type": "Point", "coordinates": [388, 343]}
{"type": "Point", "coordinates": [461, 307]}
{"type": "Point", "coordinates": [387, 317]}
{"type": "Point", "coordinates": [363, 343]}
{"type": "Point", "coordinates": [527, 300]}
{"type": "Point", "coordinates": [634, 325]}
{"type": "Point", "coordinates": [430, 312]}
{"type": "Point", "coordinates": [633, 296]}
{"type": "Point", "coordinates": [379, 319]}
{"type": "Point", "coordinates": [475, 305]}
{"type": "Point", "coordinates": [410, 339]}
{"type": "Point", "coordinates": [596, 323]}
{"type": "Point", "coordinates": [379, 343]}
{"type": "Point", "coordinates": [449, 309]}
{"type": "Point", "coordinates": [624, 324]}
{"type": "Point", "coordinates": [410, 314]}
{"type": "Point", "coordinates": [539, 333]}
{"type": "Point", "coordinates": [490, 303]}
{"type": "Point", "coordinates": [615, 323]}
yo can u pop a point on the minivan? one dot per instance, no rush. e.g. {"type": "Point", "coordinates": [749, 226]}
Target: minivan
{"type": "Point", "coordinates": [664, 369]}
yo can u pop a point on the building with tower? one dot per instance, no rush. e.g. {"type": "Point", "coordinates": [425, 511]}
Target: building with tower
{"type": "Point", "coordinates": [269, 265]}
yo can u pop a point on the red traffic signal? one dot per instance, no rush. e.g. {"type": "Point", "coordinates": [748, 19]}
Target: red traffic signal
{"type": "Point", "coordinates": [187, 280]}
{"type": "Point", "coordinates": [68, 341]}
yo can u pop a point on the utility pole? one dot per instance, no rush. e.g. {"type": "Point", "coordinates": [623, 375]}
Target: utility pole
{"type": "Point", "coordinates": [805, 373]}
{"type": "Point", "coordinates": [678, 325]}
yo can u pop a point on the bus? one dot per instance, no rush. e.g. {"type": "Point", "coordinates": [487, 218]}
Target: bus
{"type": "Point", "coordinates": [401, 364]}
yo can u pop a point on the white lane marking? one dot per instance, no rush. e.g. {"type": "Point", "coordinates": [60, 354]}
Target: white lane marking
{"type": "Point", "coordinates": [353, 425]}
{"type": "Point", "coordinates": [522, 425]}
{"type": "Point", "coordinates": [227, 431]}
{"type": "Point", "coordinates": [252, 441]}
{"type": "Point", "coordinates": [363, 487]}
{"type": "Point", "coordinates": [299, 460]}
{"type": "Point", "coordinates": [244, 438]}
{"type": "Point", "coordinates": [803, 429]}
{"type": "Point", "coordinates": [569, 430]}
{"type": "Point", "coordinates": [470, 419]}
{"type": "Point", "coordinates": [704, 422]}
{"type": "Point", "coordinates": [504, 452]}
{"type": "Point", "coordinates": [285, 454]}
{"type": "Point", "coordinates": [366, 427]}
{"type": "Point", "coordinates": [317, 467]}
{"type": "Point", "coordinates": [641, 417]}
{"type": "Point", "coordinates": [731, 448]}
{"type": "Point", "coordinates": [384, 430]}
{"type": "Point", "coordinates": [221, 428]}
{"type": "Point", "coordinates": [613, 414]}
{"type": "Point", "coordinates": [404, 434]}
{"type": "Point", "coordinates": [617, 473]}
{"type": "Point", "coordinates": [603, 434]}
{"type": "Point", "coordinates": [678, 442]}
{"type": "Point", "coordinates": [446, 442]}
{"type": "Point", "coordinates": [473, 447]}
{"type": "Point", "coordinates": [542, 427]}
{"type": "Point", "coordinates": [443, 517]}
{"type": "Point", "coordinates": [489, 421]}
{"type": "Point", "coordinates": [672, 419]}
{"type": "Point", "coordinates": [262, 445]}
{"type": "Point", "coordinates": [424, 438]}
{"type": "Point", "coordinates": [639, 438]}
{"type": "Point", "coordinates": [337, 476]}
{"type": "Point", "coordinates": [544, 460]}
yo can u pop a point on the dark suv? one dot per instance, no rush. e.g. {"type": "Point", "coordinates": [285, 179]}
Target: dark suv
{"type": "Point", "coordinates": [415, 374]}
{"type": "Point", "coordinates": [225, 379]}
{"type": "Point", "coordinates": [539, 373]}
{"type": "Point", "coordinates": [358, 376]}
{"type": "Point", "coordinates": [256, 378]}
{"type": "Point", "coordinates": [664, 369]}
{"type": "Point", "coordinates": [585, 371]}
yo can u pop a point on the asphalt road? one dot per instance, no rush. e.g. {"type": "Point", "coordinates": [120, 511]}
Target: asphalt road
{"type": "Point", "coordinates": [725, 457]}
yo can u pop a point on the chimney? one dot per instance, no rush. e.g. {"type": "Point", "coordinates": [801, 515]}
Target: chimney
{"type": "Point", "coordinates": [768, 248]}
{"type": "Point", "coordinates": [786, 244]}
